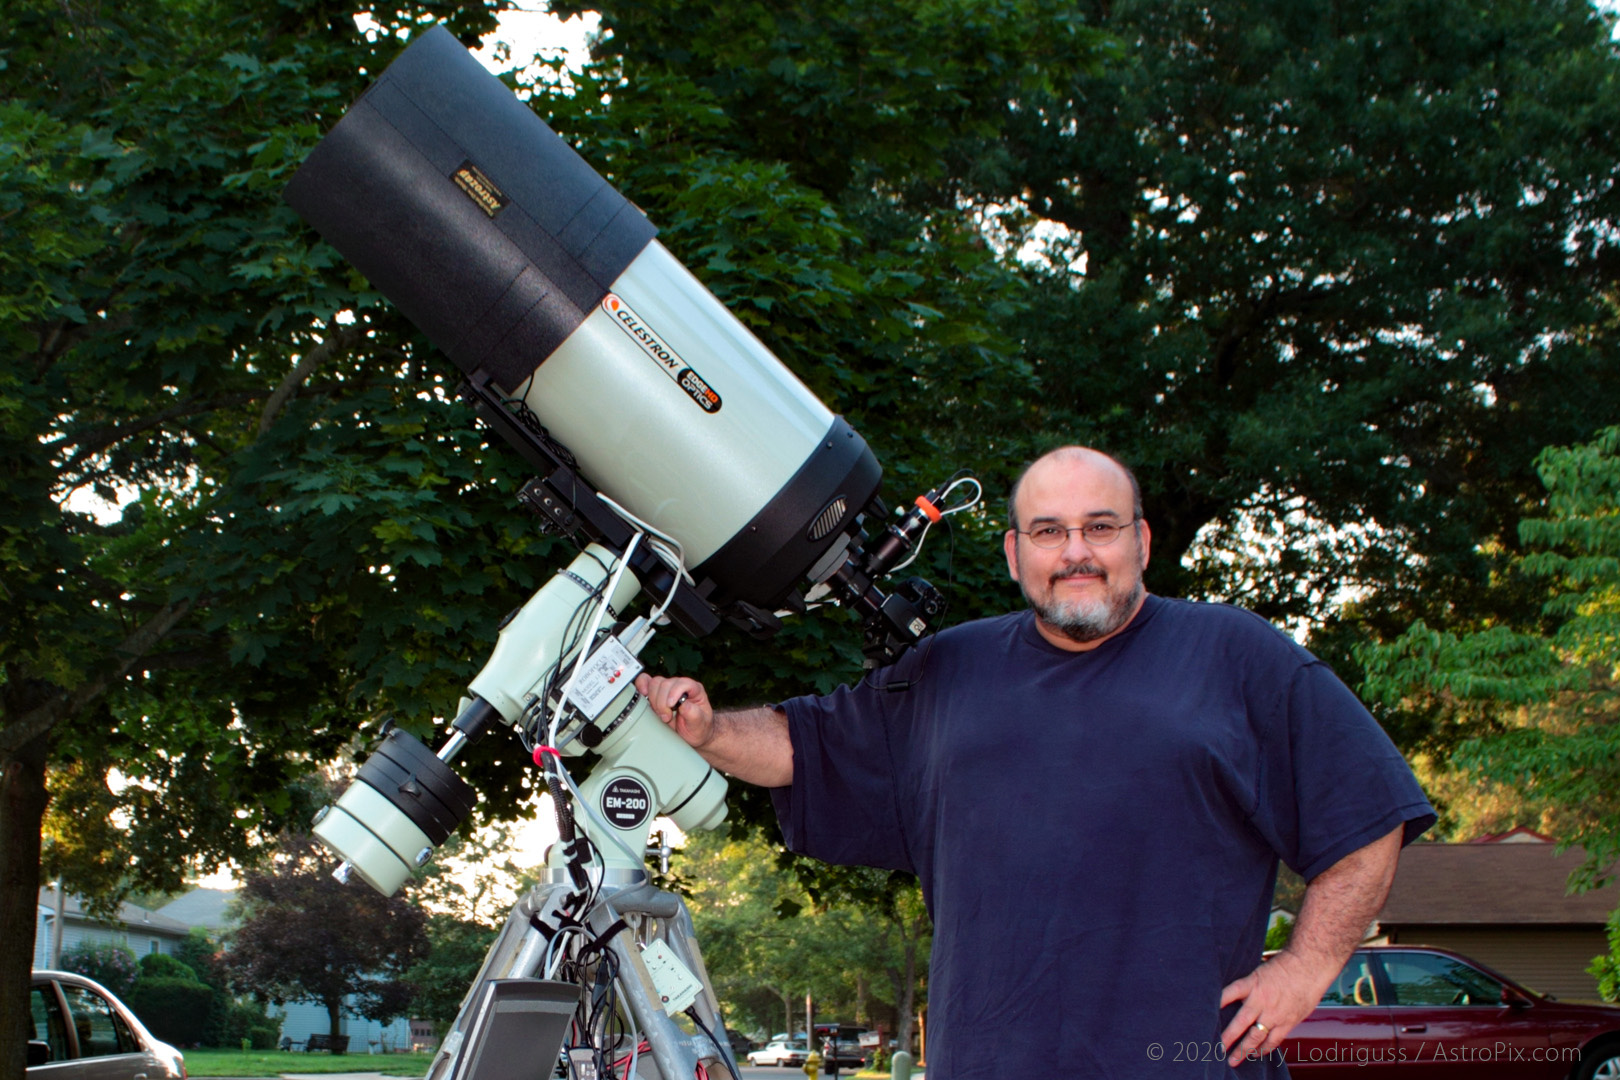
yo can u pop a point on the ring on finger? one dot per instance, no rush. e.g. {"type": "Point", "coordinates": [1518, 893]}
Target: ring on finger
{"type": "Point", "coordinates": [1258, 1026]}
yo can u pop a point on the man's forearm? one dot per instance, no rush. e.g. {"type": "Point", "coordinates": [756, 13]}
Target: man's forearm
{"type": "Point", "coordinates": [1341, 902]}
{"type": "Point", "coordinates": [752, 745]}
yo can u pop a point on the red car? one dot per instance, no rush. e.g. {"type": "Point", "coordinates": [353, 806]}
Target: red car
{"type": "Point", "coordinates": [1411, 1012]}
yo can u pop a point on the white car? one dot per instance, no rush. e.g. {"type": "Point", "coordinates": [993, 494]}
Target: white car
{"type": "Point", "coordinates": [784, 1052]}
{"type": "Point", "coordinates": [81, 1031]}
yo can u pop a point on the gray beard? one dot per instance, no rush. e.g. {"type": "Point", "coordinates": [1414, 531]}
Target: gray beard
{"type": "Point", "coordinates": [1083, 622]}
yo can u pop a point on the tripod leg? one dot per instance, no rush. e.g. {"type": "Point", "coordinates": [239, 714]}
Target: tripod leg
{"type": "Point", "coordinates": [659, 916]}
{"type": "Point", "coordinates": [518, 953]}
{"type": "Point", "coordinates": [650, 915]}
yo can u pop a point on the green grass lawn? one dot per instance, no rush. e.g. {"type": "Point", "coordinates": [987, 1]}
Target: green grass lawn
{"type": "Point", "coordinates": [276, 1062]}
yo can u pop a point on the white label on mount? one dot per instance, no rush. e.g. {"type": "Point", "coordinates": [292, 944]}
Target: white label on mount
{"type": "Point", "coordinates": [603, 677]}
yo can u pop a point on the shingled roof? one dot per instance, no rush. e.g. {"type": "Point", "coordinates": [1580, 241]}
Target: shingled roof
{"type": "Point", "coordinates": [129, 915]}
{"type": "Point", "coordinates": [1522, 884]}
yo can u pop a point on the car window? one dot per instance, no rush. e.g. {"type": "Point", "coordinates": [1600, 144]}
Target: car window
{"type": "Point", "coordinates": [1355, 984]}
{"type": "Point", "coordinates": [1428, 979]}
{"type": "Point", "coordinates": [49, 1027]}
{"type": "Point", "coordinates": [100, 1029]}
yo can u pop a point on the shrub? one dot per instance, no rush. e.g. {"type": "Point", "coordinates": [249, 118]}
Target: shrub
{"type": "Point", "coordinates": [161, 966]}
{"type": "Point", "coordinates": [1277, 936]}
{"type": "Point", "coordinates": [200, 953]}
{"type": "Point", "coordinates": [232, 1021]}
{"type": "Point", "coordinates": [1606, 969]}
{"type": "Point", "coordinates": [176, 1010]}
{"type": "Point", "coordinates": [113, 966]}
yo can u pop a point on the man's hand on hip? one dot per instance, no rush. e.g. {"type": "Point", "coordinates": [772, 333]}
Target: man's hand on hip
{"type": "Point", "coordinates": [1339, 905]}
{"type": "Point", "coordinates": [1276, 995]}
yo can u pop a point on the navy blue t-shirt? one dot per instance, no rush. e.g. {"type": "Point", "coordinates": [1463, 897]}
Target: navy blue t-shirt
{"type": "Point", "coordinates": [1096, 833]}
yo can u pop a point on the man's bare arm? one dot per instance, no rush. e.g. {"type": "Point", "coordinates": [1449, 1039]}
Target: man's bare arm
{"type": "Point", "coordinates": [750, 744]}
{"type": "Point", "coordinates": [1339, 904]}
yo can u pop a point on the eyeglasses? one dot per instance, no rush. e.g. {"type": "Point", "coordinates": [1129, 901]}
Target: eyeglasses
{"type": "Point", "coordinates": [1095, 533]}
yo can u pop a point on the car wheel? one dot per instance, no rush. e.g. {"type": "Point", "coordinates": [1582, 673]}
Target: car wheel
{"type": "Point", "coordinates": [1602, 1063]}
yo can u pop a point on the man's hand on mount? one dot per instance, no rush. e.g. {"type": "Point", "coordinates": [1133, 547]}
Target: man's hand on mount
{"type": "Point", "coordinates": [751, 744]}
{"type": "Point", "coordinates": [682, 704]}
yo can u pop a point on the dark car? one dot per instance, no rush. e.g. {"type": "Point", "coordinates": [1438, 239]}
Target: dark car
{"type": "Point", "coordinates": [81, 1031]}
{"type": "Point", "coordinates": [843, 1042]}
{"type": "Point", "coordinates": [1419, 1013]}
{"type": "Point", "coordinates": [849, 1053]}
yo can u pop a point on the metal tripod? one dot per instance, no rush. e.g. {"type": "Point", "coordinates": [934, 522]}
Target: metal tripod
{"type": "Point", "coordinates": [648, 915]}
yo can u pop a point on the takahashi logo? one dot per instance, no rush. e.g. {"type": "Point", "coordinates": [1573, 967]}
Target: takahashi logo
{"type": "Point", "coordinates": [668, 359]}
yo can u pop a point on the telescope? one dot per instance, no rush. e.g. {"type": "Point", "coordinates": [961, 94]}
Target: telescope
{"type": "Point", "coordinates": [666, 440]}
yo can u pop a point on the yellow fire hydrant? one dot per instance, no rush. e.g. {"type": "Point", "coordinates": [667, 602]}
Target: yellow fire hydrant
{"type": "Point", "coordinates": [812, 1065]}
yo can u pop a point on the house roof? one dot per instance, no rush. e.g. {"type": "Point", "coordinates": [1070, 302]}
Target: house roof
{"type": "Point", "coordinates": [201, 907]}
{"type": "Point", "coordinates": [1519, 834]}
{"type": "Point", "coordinates": [1522, 884]}
{"type": "Point", "coordinates": [131, 916]}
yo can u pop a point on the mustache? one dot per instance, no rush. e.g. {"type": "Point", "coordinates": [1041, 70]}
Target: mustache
{"type": "Point", "coordinates": [1080, 570]}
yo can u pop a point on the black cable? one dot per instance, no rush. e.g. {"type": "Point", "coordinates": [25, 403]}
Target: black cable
{"type": "Point", "coordinates": [723, 1048]}
{"type": "Point", "coordinates": [567, 639]}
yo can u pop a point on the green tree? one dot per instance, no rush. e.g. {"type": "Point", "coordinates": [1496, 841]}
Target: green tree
{"type": "Point", "coordinates": [1344, 269]}
{"type": "Point", "coordinates": [756, 944]}
{"type": "Point", "coordinates": [1298, 262]}
{"type": "Point", "coordinates": [465, 896]}
{"type": "Point", "coordinates": [767, 943]}
{"type": "Point", "coordinates": [440, 980]}
{"type": "Point", "coordinates": [296, 534]}
{"type": "Point", "coordinates": [1546, 687]}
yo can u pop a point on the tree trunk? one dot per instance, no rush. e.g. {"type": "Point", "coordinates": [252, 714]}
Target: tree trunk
{"type": "Point", "coordinates": [32, 710]}
{"type": "Point", "coordinates": [787, 1009]}
{"type": "Point", "coordinates": [23, 797]}
{"type": "Point", "coordinates": [906, 1001]}
{"type": "Point", "coordinates": [334, 1014]}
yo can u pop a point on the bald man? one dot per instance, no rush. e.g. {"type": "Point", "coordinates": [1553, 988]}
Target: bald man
{"type": "Point", "coordinates": [1095, 795]}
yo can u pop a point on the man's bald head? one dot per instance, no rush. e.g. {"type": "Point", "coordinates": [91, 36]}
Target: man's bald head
{"type": "Point", "coordinates": [1078, 454]}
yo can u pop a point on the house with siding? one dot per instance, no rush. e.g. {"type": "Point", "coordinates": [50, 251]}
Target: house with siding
{"type": "Point", "coordinates": [136, 928]}
{"type": "Point", "coordinates": [1504, 901]}
{"type": "Point", "coordinates": [144, 932]}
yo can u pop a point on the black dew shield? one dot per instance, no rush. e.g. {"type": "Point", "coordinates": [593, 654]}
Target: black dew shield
{"type": "Point", "coordinates": [467, 211]}
{"type": "Point", "coordinates": [510, 253]}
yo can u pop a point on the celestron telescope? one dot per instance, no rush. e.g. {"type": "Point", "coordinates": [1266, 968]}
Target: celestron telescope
{"type": "Point", "coordinates": [667, 441]}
